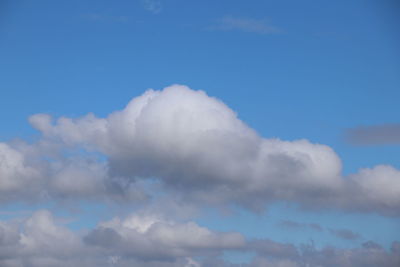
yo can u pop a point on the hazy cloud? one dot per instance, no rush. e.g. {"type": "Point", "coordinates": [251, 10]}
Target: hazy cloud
{"type": "Point", "coordinates": [387, 134]}
{"type": "Point", "coordinates": [259, 26]}
{"type": "Point", "coordinates": [345, 234]}
{"type": "Point", "coordinates": [300, 226]}
{"type": "Point", "coordinates": [154, 6]}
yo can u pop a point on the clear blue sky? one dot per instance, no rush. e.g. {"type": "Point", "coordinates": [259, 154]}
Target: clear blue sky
{"type": "Point", "coordinates": [291, 70]}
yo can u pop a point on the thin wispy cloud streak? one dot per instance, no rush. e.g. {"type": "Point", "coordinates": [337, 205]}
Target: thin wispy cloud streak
{"type": "Point", "coordinates": [101, 17]}
{"type": "Point", "coordinates": [345, 234]}
{"type": "Point", "coordinates": [250, 25]}
{"type": "Point", "coordinates": [300, 226]}
{"type": "Point", "coordinates": [385, 134]}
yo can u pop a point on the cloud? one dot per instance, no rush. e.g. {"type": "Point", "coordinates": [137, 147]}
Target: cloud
{"type": "Point", "coordinates": [229, 23]}
{"type": "Point", "coordinates": [32, 172]}
{"type": "Point", "coordinates": [345, 234]}
{"type": "Point", "coordinates": [154, 6]}
{"type": "Point", "coordinates": [190, 146]}
{"type": "Point", "coordinates": [149, 240]}
{"type": "Point", "coordinates": [135, 241]}
{"type": "Point", "coordinates": [300, 226]}
{"type": "Point", "coordinates": [38, 241]}
{"type": "Point", "coordinates": [363, 256]}
{"type": "Point", "coordinates": [150, 237]}
{"type": "Point", "coordinates": [14, 172]}
{"type": "Point", "coordinates": [370, 184]}
{"type": "Point", "coordinates": [387, 134]}
{"type": "Point", "coordinates": [199, 150]}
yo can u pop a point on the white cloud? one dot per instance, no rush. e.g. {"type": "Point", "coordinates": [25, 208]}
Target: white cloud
{"type": "Point", "coordinates": [198, 148]}
{"type": "Point", "coordinates": [16, 174]}
{"type": "Point", "coordinates": [41, 172]}
{"type": "Point", "coordinates": [148, 237]}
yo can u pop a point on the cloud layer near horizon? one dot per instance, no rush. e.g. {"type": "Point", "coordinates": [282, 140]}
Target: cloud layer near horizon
{"type": "Point", "coordinates": [147, 240]}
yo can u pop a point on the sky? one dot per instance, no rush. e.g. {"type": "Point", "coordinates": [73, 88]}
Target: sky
{"type": "Point", "coordinates": [183, 133]}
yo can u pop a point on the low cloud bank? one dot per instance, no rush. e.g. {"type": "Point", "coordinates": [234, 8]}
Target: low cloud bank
{"type": "Point", "coordinates": [150, 240]}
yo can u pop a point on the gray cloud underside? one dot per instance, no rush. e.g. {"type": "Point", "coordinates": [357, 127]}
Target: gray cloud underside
{"type": "Point", "coordinates": [148, 240]}
{"type": "Point", "coordinates": [196, 148]}
{"type": "Point", "coordinates": [374, 135]}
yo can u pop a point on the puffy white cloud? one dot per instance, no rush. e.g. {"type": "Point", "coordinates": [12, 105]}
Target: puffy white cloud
{"type": "Point", "coordinates": [200, 150]}
{"type": "Point", "coordinates": [42, 234]}
{"type": "Point", "coordinates": [17, 176]}
{"type": "Point", "coordinates": [13, 171]}
{"type": "Point", "coordinates": [378, 188]}
{"type": "Point", "coordinates": [138, 240]}
{"type": "Point", "coordinates": [38, 241]}
{"type": "Point", "coordinates": [40, 172]}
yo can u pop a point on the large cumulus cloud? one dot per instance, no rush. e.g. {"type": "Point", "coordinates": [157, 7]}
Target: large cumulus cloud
{"type": "Point", "coordinates": [198, 148]}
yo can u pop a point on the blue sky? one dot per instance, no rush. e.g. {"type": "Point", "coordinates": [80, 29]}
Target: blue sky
{"type": "Point", "coordinates": [324, 71]}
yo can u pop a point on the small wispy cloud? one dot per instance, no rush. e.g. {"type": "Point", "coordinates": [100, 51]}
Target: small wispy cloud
{"type": "Point", "coordinates": [300, 226]}
{"type": "Point", "coordinates": [154, 6]}
{"type": "Point", "coordinates": [102, 17]}
{"type": "Point", "coordinates": [345, 234]}
{"type": "Point", "coordinates": [259, 26]}
{"type": "Point", "coordinates": [384, 134]}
